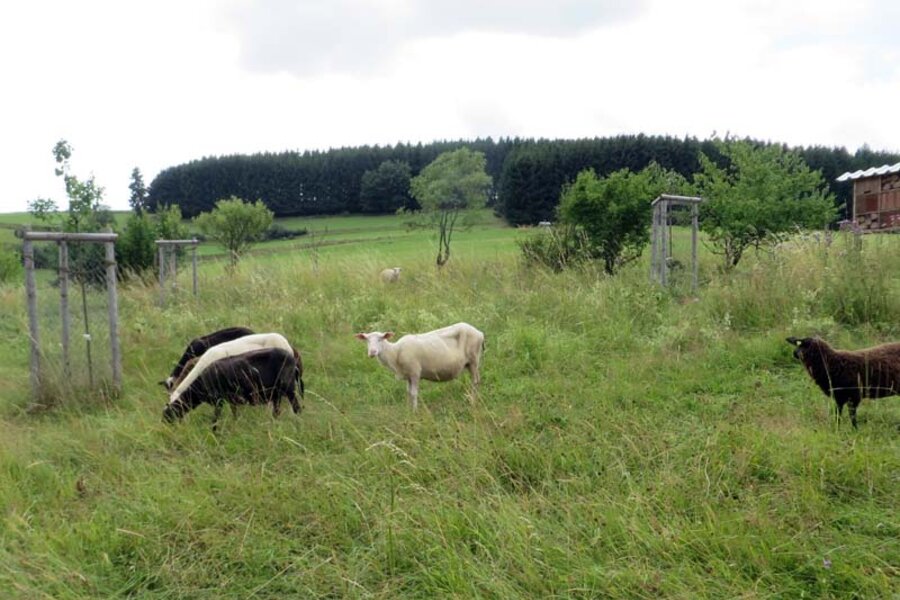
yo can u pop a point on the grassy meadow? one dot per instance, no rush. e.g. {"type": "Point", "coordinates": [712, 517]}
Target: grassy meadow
{"type": "Point", "coordinates": [627, 442]}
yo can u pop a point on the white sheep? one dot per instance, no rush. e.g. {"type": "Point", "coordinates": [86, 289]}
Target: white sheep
{"type": "Point", "coordinates": [226, 349]}
{"type": "Point", "coordinates": [390, 275]}
{"type": "Point", "coordinates": [439, 355]}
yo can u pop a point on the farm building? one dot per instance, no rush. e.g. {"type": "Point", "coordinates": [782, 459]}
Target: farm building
{"type": "Point", "coordinates": [876, 197]}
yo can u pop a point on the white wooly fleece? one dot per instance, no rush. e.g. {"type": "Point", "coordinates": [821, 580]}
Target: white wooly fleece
{"type": "Point", "coordinates": [241, 345]}
{"type": "Point", "coordinates": [438, 355]}
{"type": "Point", "coordinates": [390, 275]}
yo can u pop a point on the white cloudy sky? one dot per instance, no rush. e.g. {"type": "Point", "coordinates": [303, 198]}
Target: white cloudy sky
{"type": "Point", "coordinates": [157, 83]}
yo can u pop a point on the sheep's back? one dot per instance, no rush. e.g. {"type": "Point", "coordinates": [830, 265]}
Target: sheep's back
{"type": "Point", "coordinates": [872, 372]}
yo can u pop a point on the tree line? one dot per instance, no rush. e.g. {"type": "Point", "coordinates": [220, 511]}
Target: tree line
{"type": "Point", "coordinates": [528, 174]}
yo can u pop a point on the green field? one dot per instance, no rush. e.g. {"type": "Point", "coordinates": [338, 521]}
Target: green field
{"type": "Point", "coordinates": [626, 442]}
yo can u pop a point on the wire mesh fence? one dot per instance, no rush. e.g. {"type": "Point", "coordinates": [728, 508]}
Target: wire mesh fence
{"type": "Point", "coordinates": [73, 316]}
{"type": "Point", "coordinates": [169, 254]}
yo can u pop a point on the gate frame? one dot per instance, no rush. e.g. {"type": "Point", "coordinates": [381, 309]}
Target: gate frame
{"type": "Point", "coordinates": [171, 246]}
{"type": "Point", "coordinates": [108, 239]}
{"type": "Point", "coordinates": [660, 247]}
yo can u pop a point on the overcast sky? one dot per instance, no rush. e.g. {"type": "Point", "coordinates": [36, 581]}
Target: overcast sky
{"type": "Point", "coordinates": [152, 84]}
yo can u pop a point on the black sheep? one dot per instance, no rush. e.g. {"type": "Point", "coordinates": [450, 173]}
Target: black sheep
{"type": "Point", "coordinates": [199, 345]}
{"type": "Point", "coordinates": [850, 375]}
{"type": "Point", "coordinates": [255, 377]}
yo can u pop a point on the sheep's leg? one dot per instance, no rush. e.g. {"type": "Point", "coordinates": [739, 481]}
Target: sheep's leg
{"type": "Point", "coordinates": [853, 406]}
{"type": "Point", "coordinates": [839, 409]}
{"type": "Point", "coordinates": [292, 398]}
{"type": "Point", "coordinates": [474, 372]}
{"type": "Point", "coordinates": [412, 390]}
{"type": "Point", "coordinates": [217, 412]}
{"type": "Point", "coordinates": [276, 404]}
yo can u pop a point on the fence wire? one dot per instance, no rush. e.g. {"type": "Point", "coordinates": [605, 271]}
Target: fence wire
{"type": "Point", "coordinates": [87, 365]}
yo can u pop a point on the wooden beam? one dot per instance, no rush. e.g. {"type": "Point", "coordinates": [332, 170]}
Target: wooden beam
{"type": "Point", "coordinates": [55, 236]}
{"type": "Point", "coordinates": [193, 242]}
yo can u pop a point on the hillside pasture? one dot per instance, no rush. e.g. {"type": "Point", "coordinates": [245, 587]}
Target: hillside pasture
{"type": "Point", "coordinates": [626, 442]}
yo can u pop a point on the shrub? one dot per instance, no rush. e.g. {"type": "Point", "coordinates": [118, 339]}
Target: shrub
{"type": "Point", "coordinates": [280, 232]}
{"type": "Point", "coordinates": [557, 247]}
{"type": "Point", "coordinates": [136, 248]}
{"type": "Point", "coordinates": [10, 265]}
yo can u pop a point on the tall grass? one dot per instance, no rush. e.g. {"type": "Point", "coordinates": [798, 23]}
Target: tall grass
{"type": "Point", "coordinates": [626, 442]}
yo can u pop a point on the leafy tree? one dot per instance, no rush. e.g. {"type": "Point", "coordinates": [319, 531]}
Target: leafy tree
{"type": "Point", "coordinates": [386, 189]}
{"type": "Point", "coordinates": [765, 193]}
{"type": "Point", "coordinates": [86, 210]}
{"type": "Point", "coordinates": [86, 213]}
{"type": "Point", "coordinates": [614, 212]}
{"type": "Point", "coordinates": [44, 209]}
{"type": "Point", "coordinates": [138, 198]}
{"type": "Point", "coordinates": [235, 224]}
{"type": "Point", "coordinates": [170, 224]}
{"type": "Point", "coordinates": [136, 246]}
{"type": "Point", "coordinates": [454, 181]}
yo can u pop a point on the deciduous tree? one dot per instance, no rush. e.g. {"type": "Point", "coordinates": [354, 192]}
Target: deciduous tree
{"type": "Point", "coordinates": [613, 212]}
{"type": "Point", "coordinates": [765, 193]}
{"type": "Point", "coordinates": [235, 224]}
{"type": "Point", "coordinates": [453, 182]}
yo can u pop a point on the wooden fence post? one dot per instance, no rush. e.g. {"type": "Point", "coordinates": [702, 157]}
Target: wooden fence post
{"type": "Point", "coordinates": [31, 294]}
{"type": "Point", "coordinates": [173, 268]}
{"type": "Point", "coordinates": [695, 216]}
{"type": "Point", "coordinates": [112, 289]}
{"type": "Point", "coordinates": [194, 263]}
{"type": "Point", "coordinates": [654, 235]}
{"type": "Point", "coordinates": [162, 275]}
{"type": "Point", "coordinates": [64, 304]}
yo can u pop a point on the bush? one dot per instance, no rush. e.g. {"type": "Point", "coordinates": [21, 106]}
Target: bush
{"type": "Point", "coordinates": [136, 247]}
{"type": "Point", "coordinates": [558, 247]}
{"type": "Point", "coordinates": [280, 232]}
{"type": "Point", "coordinates": [10, 265]}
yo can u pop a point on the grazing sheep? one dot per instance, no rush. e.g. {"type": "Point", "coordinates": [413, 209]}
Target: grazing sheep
{"type": "Point", "coordinates": [391, 275]}
{"type": "Point", "coordinates": [438, 355]}
{"type": "Point", "coordinates": [850, 375]}
{"type": "Point", "coordinates": [255, 377]}
{"type": "Point", "coordinates": [201, 344]}
{"type": "Point", "coordinates": [232, 348]}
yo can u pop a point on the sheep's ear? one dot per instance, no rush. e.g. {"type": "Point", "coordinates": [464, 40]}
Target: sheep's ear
{"type": "Point", "coordinates": [794, 341]}
{"type": "Point", "coordinates": [388, 335]}
{"type": "Point", "coordinates": [360, 336]}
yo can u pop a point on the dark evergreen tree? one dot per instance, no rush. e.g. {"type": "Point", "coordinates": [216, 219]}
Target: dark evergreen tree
{"type": "Point", "coordinates": [138, 198]}
{"type": "Point", "coordinates": [528, 175]}
{"type": "Point", "coordinates": [386, 189]}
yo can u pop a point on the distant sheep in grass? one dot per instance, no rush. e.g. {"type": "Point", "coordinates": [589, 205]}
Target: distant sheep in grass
{"type": "Point", "coordinates": [232, 348]}
{"type": "Point", "coordinates": [255, 377]}
{"type": "Point", "coordinates": [439, 355]}
{"type": "Point", "coordinates": [391, 275]}
{"type": "Point", "coordinates": [198, 346]}
{"type": "Point", "coordinates": [850, 375]}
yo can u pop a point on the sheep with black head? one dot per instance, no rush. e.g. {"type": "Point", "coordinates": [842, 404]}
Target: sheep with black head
{"type": "Point", "coordinates": [256, 377]}
{"type": "Point", "coordinates": [198, 346]}
{"type": "Point", "coordinates": [848, 376]}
